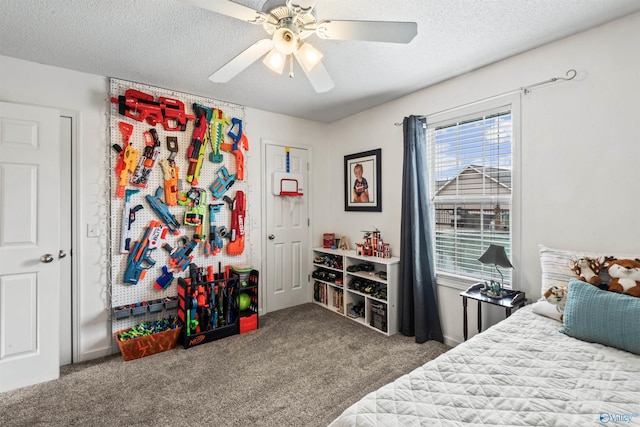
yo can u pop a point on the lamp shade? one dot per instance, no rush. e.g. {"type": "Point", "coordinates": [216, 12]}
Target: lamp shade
{"type": "Point", "coordinates": [308, 56]}
{"type": "Point", "coordinates": [495, 255]}
{"type": "Point", "coordinates": [275, 61]}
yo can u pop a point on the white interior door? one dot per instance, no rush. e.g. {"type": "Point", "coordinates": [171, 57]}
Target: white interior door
{"type": "Point", "coordinates": [287, 232]}
{"type": "Point", "coordinates": [29, 245]}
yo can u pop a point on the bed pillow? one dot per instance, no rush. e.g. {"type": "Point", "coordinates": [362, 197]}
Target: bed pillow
{"type": "Point", "coordinates": [545, 308]}
{"type": "Point", "coordinates": [603, 317]}
{"type": "Point", "coordinates": [556, 266]}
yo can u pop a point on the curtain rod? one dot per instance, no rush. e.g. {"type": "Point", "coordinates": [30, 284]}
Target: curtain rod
{"type": "Point", "coordinates": [571, 74]}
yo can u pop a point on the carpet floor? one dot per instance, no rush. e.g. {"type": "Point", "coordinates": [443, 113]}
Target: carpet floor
{"type": "Point", "coordinates": [302, 367]}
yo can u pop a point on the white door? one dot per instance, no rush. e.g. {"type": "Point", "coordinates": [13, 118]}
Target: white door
{"type": "Point", "coordinates": [29, 245]}
{"type": "Point", "coordinates": [287, 232]}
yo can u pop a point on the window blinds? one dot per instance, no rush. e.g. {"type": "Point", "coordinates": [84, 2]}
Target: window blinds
{"type": "Point", "coordinates": [470, 175]}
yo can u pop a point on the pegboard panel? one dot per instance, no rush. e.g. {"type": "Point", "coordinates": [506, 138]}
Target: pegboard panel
{"type": "Point", "coordinates": [127, 294]}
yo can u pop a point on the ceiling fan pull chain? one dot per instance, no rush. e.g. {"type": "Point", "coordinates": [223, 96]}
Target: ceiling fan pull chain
{"type": "Point", "coordinates": [291, 66]}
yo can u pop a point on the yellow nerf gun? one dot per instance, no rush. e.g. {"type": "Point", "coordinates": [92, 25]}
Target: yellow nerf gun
{"type": "Point", "coordinates": [127, 159]}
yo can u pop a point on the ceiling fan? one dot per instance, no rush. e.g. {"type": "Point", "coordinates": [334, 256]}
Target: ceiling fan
{"type": "Point", "coordinates": [289, 25]}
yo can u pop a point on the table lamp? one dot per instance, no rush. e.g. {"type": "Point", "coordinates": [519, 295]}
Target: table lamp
{"type": "Point", "coordinates": [497, 256]}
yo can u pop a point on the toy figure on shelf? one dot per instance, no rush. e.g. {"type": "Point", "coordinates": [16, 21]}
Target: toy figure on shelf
{"type": "Point", "coordinates": [373, 245]}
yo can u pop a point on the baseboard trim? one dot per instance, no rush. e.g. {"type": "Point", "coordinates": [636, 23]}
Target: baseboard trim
{"type": "Point", "coordinates": [95, 354]}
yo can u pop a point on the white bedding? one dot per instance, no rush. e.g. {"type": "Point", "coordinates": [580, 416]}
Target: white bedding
{"type": "Point", "coordinates": [520, 372]}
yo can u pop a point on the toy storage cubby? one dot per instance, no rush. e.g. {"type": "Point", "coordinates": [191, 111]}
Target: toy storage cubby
{"type": "Point", "coordinates": [368, 296]}
{"type": "Point", "coordinates": [248, 284]}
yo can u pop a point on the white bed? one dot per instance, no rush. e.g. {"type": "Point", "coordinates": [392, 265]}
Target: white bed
{"type": "Point", "coordinates": [521, 372]}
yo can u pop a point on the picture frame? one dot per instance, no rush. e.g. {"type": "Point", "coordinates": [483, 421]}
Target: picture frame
{"type": "Point", "coordinates": [362, 196]}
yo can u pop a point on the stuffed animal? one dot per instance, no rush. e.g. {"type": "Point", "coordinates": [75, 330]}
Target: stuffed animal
{"type": "Point", "coordinates": [588, 270]}
{"type": "Point", "coordinates": [625, 276]}
{"type": "Point", "coordinates": [557, 295]}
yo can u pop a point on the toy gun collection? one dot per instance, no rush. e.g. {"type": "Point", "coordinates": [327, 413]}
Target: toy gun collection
{"type": "Point", "coordinates": [212, 304]}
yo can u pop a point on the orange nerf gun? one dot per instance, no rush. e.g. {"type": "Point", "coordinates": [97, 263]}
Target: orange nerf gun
{"type": "Point", "coordinates": [170, 172]}
{"type": "Point", "coordinates": [239, 139]}
{"type": "Point", "coordinates": [127, 159]}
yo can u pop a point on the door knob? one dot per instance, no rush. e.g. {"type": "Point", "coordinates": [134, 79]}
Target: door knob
{"type": "Point", "coordinates": [46, 258]}
{"type": "Point", "coordinates": [61, 254]}
{"type": "Point", "coordinates": [271, 237]}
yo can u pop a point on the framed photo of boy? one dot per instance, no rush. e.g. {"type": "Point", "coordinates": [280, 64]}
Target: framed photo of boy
{"type": "Point", "coordinates": [362, 182]}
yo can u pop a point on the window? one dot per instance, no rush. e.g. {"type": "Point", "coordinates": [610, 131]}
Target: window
{"type": "Point", "coordinates": [471, 190]}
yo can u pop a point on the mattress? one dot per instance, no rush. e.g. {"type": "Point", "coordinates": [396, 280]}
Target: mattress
{"type": "Point", "coordinates": [520, 372]}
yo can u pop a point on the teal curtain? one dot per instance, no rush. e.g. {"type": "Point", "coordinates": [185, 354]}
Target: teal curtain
{"type": "Point", "coordinates": [418, 299]}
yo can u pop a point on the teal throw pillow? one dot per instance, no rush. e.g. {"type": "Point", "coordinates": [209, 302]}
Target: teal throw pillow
{"type": "Point", "coordinates": [608, 318]}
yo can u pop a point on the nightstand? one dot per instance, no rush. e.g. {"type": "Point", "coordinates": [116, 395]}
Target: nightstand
{"type": "Point", "coordinates": [512, 300]}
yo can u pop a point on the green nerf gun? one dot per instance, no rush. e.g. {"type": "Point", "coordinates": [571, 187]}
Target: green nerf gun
{"type": "Point", "coordinates": [218, 121]}
{"type": "Point", "coordinates": [194, 216]}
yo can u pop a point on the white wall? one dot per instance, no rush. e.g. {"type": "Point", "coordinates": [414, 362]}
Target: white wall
{"type": "Point", "coordinates": [30, 83]}
{"type": "Point", "coordinates": [579, 150]}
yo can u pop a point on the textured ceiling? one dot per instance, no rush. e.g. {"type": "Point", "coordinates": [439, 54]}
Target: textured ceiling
{"type": "Point", "coordinates": [172, 44]}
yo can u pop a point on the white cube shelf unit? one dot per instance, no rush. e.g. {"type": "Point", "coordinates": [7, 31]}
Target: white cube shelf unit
{"type": "Point", "coordinates": [367, 297]}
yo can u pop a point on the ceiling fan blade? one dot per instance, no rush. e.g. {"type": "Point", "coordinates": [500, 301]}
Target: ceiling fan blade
{"type": "Point", "coordinates": [242, 61]}
{"type": "Point", "coordinates": [378, 31]}
{"type": "Point", "coordinates": [229, 8]}
{"type": "Point", "coordinates": [319, 77]}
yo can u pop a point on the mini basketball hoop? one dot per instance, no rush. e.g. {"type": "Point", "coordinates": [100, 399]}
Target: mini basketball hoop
{"type": "Point", "coordinates": [287, 184]}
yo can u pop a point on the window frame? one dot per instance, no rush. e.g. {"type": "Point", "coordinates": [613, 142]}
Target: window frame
{"type": "Point", "coordinates": [510, 101]}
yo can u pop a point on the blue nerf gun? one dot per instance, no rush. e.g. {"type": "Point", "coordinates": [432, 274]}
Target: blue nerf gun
{"type": "Point", "coordinates": [213, 246]}
{"type": "Point", "coordinates": [162, 210]}
{"type": "Point", "coordinates": [222, 183]}
{"type": "Point", "coordinates": [164, 280]}
{"type": "Point", "coordinates": [180, 258]}
{"type": "Point", "coordinates": [140, 260]}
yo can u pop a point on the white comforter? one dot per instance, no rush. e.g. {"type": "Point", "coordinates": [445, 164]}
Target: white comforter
{"type": "Point", "coordinates": [521, 372]}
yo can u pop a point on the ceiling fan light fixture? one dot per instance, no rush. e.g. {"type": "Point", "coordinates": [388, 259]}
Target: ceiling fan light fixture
{"type": "Point", "coordinates": [308, 56]}
{"type": "Point", "coordinates": [275, 61]}
{"type": "Point", "coordinates": [285, 41]}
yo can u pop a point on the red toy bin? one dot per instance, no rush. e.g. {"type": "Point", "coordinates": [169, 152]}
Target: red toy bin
{"type": "Point", "coordinates": [248, 323]}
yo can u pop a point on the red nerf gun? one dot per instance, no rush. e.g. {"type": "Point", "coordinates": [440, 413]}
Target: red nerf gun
{"type": "Point", "coordinates": [195, 152]}
{"type": "Point", "coordinates": [239, 207]}
{"type": "Point", "coordinates": [140, 106]}
{"type": "Point", "coordinates": [239, 139]}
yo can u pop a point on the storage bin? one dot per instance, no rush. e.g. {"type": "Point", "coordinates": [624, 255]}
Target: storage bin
{"type": "Point", "coordinates": [155, 305]}
{"type": "Point", "coordinates": [122, 312]}
{"type": "Point", "coordinates": [147, 345]}
{"type": "Point", "coordinates": [248, 323]}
